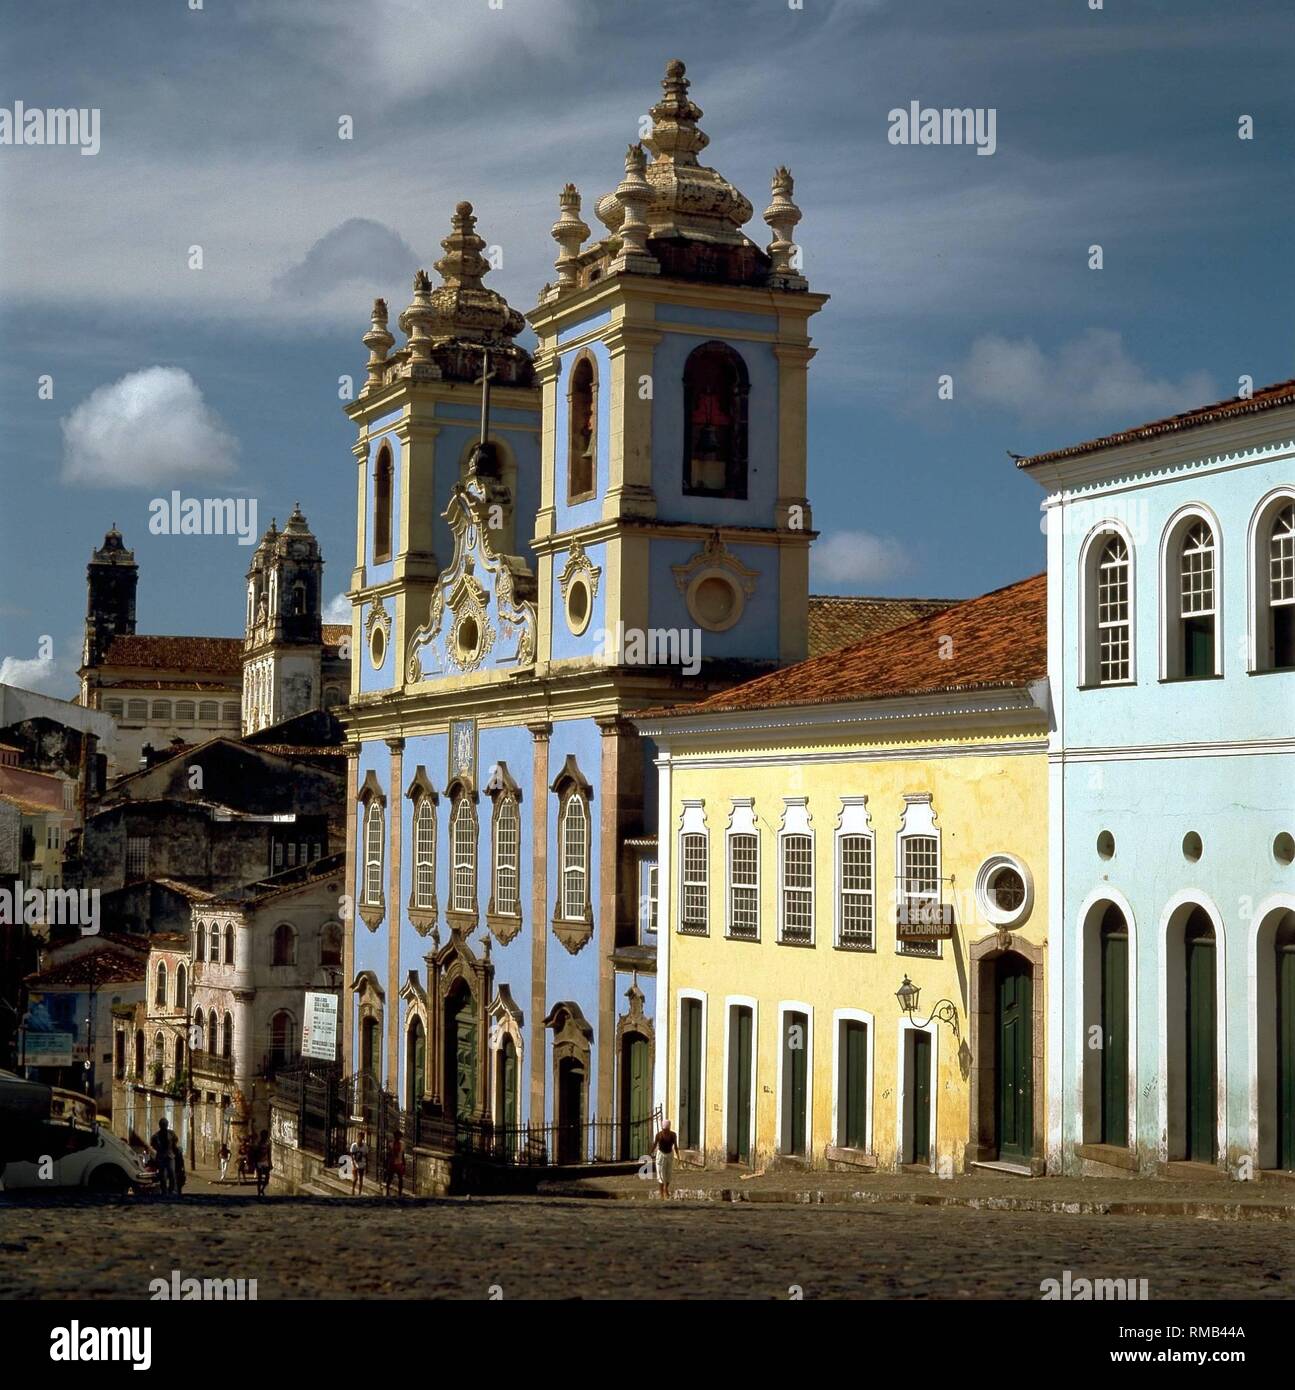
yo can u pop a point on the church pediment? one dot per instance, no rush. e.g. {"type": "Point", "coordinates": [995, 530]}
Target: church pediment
{"type": "Point", "coordinates": [483, 610]}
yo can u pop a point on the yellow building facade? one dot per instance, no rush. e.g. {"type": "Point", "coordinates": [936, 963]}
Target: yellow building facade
{"type": "Point", "coordinates": [832, 837]}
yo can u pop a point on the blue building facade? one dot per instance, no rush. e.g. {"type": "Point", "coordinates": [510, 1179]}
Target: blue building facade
{"type": "Point", "coordinates": [1171, 590]}
{"type": "Point", "coordinates": [547, 544]}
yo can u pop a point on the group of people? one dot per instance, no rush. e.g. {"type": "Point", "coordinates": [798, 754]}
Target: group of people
{"type": "Point", "coordinates": [255, 1156]}
{"type": "Point", "coordinates": [358, 1163]}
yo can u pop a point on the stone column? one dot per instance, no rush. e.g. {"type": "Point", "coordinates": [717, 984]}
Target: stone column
{"type": "Point", "coordinates": [351, 888]}
{"type": "Point", "coordinates": [537, 1042]}
{"type": "Point", "coordinates": [395, 806]}
{"type": "Point", "coordinates": [616, 757]}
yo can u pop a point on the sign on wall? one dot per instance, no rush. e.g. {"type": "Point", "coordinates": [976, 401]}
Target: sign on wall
{"type": "Point", "coordinates": [48, 1049]}
{"type": "Point", "coordinates": [923, 920]}
{"type": "Point", "coordinates": [319, 1027]}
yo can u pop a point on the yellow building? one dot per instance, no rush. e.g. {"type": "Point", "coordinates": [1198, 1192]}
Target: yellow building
{"type": "Point", "coordinates": [859, 827]}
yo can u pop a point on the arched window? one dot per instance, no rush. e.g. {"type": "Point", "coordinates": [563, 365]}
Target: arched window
{"type": "Point", "coordinates": [1107, 655]}
{"type": "Point", "coordinates": [332, 696]}
{"type": "Point", "coordinates": [161, 711]}
{"type": "Point", "coordinates": [184, 711]}
{"type": "Point", "coordinates": [282, 1050]}
{"type": "Point", "coordinates": [1272, 541]}
{"type": "Point", "coordinates": [215, 944]}
{"type": "Point", "coordinates": [229, 943]}
{"type": "Point", "coordinates": [582, 447]}
{"type": "Point", "coordinates": [181, 987]}
{"type": "Point", "coordinates": [159, 1059]}
{"type": "Point", "coordinates": [463, 853]}
{"type": "Point", "coordinates": [199, 1039]}
{"type": "Point", "coordinates": [227, 1038]}
{"type": "Point", "coordinates": [330, 944]}
{"type": "Point", "coordinates": [574, 838]}
{"type": "Point", "coordinates": [716, 388]}
{"type": "Point", "coordinates": [159, 994]}
{"type": "Point", "coordinates": [382, 506]}
{"type": "Point", "coordinates": [1190, 582]}
{"type": "Point", "coordinates": [425, 855]}
{"type": "Point", "coordinates": [373, 839]}
{"type": "Point", "coordinates": [137, 711]}
{"type": "Point", "coordinates": [199, 943]}
{"type": "Point", "coordinates": [139, 1054]}
{"type": "Point", "coordinates": [298, 600]}
{"type": "Point", "coordinates": [507, 844]}
{"type": "Point", "coordinates": [285, 945]}
{"type": "Point", "coordinates": [208, 712]}
{"type": "Point", "coordinates": [179, 1057]}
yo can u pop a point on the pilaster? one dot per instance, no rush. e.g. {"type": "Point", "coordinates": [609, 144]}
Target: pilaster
{"type": "Point", "coordinates": [351, 887]}
{"type": "Point", "coordinates": [395, 824]}
{"type": "Point", "coordinates": [537, 1042]}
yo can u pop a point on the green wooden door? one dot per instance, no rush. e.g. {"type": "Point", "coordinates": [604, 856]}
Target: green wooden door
{"type": "Point", "coordinates": [508, 1082]}
{"type": "Point", "coordinates": [636, 1097]}
{"type": "Point", "coordinates": [738, 1142]}
{"type": "Point", "coordinates": [852, 1103]}
{"type": "Point", "coordinates": [1115, 1029]}
{"type": "Point", "coordinates": [920, 1145]}
{"type": "Point", "coordinates": [1286, 1052]}
{"type": "Point", "coordinates": [795, 1081]}
{"type": "Point", "coordinates": [1015, 1089]}
{"type": "Point", "coordinates": [1202, 1038]}
{"type": "Point", "coordinates": [415, 1066]}
{"type": "Point", "coordinates": [461, 1054]}
{"type": "Point", "coordinates": [571, 1111]}
{"type": "Point", "coordinates": [690, 1046]}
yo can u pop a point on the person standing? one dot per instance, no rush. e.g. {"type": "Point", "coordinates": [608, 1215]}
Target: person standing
{"type": "Point", "coordinates": [664, 1146]}
{"type": "Point", "coordinates": [163, 1143]}
{"type": "Point", "coordinates": [359, 1153]}
{"type": "Point", "coordinates": [224, 1159]}
{"type": "Point", "coordinates": [181, 1173]}
{"type": "Point", "coordinates": [264, 1162]}
{"type": "Point", "coordinates": [396, 1166]}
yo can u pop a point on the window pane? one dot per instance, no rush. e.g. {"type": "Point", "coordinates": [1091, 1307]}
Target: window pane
{"type": "Point", "coordinates": [856, 892]}
{"type": "Point", "coordinates": [694, 884]}
{"type": "Point", "coordinates": [920, 886]}
{"type": "Point", "coordinates": [744, 888]}
{"type": "Point", "coordinates": [507, 836]}
{"type": "Point", "coordinates": [797, 888]}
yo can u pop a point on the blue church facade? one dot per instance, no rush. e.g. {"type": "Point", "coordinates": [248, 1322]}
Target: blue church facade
{"type": "Point", "coordinates": [1171, 590]}
{"type": "Point", "coordinates": [547, 544]}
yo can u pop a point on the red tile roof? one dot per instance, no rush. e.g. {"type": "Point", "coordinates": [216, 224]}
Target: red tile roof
{"type": "Point", "coordinates": [336, 632]}
{"type": "Point", "coordinates": [177, 653]}
{"type": "Point", "coordinates": [997, 640]}
{"type": "Point", "coordinates": [110, 965]}
{"type": "Point", "coordinates": [1266, 398]}
{"type": "Point", "coordinates": [837, 621]}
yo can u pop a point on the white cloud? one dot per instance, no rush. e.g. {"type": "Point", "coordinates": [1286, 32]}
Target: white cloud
{"type": "Point", "coordinates": [856, 557]}
{"type": "Point", "coordinates": [51, 675]}
{"type": "Point", "coordinates": [1092, 377]}
{"type": "Point", "coordinates": [360, 254]}
{"type": "Point", "coordinates": [338, 610]}
{"type": "Point", "coordinates": [152, 426]}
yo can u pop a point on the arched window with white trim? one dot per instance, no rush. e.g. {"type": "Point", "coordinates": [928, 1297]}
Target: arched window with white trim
{"type": "Point", "coordinates": [425, 854]}
{"type": "Point", "coordinates": [742, 855]}
{"type": "Point", "coordinates": [796, 874]}
{"type": "Point", "coordinates": [855, 877]}
{"type": "Point", "coordinates": [575, 859]}
{"type": "Point", "coordinates": [918, 886]}
{"type": "Point", "coordinates": [1191, 597]}
{"type": "Point", "coordinates": [694, 878]}
{"type": "Point", "coordinates": [1272, 582]}
{"type": "Point", "coordinates": [463, 855]}
{"type": "Point", "coordinates": [373, 841]}
{"type": "Point", "coordinates": [507, 847]}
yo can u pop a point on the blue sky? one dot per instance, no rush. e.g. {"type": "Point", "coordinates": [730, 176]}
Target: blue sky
{"type": "Point", "coordinates": [1116, 127]}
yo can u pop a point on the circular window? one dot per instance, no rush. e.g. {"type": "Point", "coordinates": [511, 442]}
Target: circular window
{"type": "Point", "coordinates": [714, 601]}
{"type": "Point", "coordinates": [1106, 845]}
{"type": "Point", "coordinates": [1004, 890]}
{"type": "Point", "coordinates": [467, 638]}
{"type": "Point", "coordinates": [1192, 846]}
{"type": "Point", "coordinates": [578, 606]}
{"type": "Point", "coordinates": [377, 647]}
{"type": "Point", "coordinates": [1284, 848]}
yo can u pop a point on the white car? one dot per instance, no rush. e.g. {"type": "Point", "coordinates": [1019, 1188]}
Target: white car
{"type": "Point", "coordinates": [93, 1159]}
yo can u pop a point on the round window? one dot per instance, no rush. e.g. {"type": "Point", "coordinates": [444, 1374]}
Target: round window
{"type": "Point", "coordinates": [578, 606]}
{"type": "Point", "coordinates": [1284, 848]}
{"type": "Point", "coordinates": [467, 637]}
{"type": "Point", "coordinates": [1004, 890]}
{"type": "Point", "coordinates": [377, 647]}
{"type": "Point", "coordinates": [714, 601]}
{"type": "Point", "coordinates": [1192, 846]}
{"type": "Point", "coordinates": [1106, 845]}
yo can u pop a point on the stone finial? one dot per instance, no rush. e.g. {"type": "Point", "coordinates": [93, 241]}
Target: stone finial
{"type": "Point", "coordinates": [676, 136]}
{"type": "Point", "coordinates": [782, 215]}
{"type": "Point", "coordinates": [569, 232]}
{"type": "Point", "coordinates": [379, 342]}
{"type": "Point", "coordinates": [463, 265]}
{"type": "Point", "coordinates": [418, 318]}
{"type": "Point", "coordinates": [635, 195]}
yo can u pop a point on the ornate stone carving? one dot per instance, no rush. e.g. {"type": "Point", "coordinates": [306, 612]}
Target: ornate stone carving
{"type": "Point", "coordinates": [715, 585]}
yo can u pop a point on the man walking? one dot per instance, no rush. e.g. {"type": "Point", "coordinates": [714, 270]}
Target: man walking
{"type": "Point", "coordinates": [664, 1146]}
{"type": "Point", "coordinates": [359, 1154]}
{"type": "Point", "coordinates": [263, 1163]}
{"type": "Point", "coordinates": [163, 1143]}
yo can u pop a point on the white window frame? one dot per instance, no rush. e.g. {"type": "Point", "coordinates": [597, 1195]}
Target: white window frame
{"type": "Point", "coordinates": [798, 823]}
{"type": "Point", "coordinates": [1259, 603]}
{"type": "Point", "coordinates": [463, 807]}
{"type": "Point", "coordinates": [508, 807]}
{"type": "Point", "coordinates": [567, 868]}
{"type": "Point", "coordinates": [1089, 674]}
{"type": "Point", "coordinates": [1170, 588]}
{"type": "Point", "coordinates": [424, 860]}
{"type": "Point", "coordinates": [840, 1016]}
{"type": "Point", "coordinates": [373, 815]}
{"type": "Point", "coordinates": [918, 821]}
{"type": "Point", "coordinates": [692, 821]}
{"type": "Point", "coordinates": [853, 822]}
{"type": "Point", "coordinates": [742, 822]}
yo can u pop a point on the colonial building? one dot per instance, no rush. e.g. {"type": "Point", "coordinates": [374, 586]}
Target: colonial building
{"type": "Point", "coordinates": [1171, 634]}
{"type": "Point", "coordinates": [531, 569]}
{"type": "Point", "coordinates": [166, 692]}
{"type": "Point", "coordinates": [853, 887]}
{"type": "Point", "coordinates": [224, 1005]}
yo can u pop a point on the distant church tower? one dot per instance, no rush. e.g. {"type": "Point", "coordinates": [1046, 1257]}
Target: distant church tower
{"type": "Point", "coordinates": [112, 578]}
{"type": "Point", "coordinates": [283, 642]}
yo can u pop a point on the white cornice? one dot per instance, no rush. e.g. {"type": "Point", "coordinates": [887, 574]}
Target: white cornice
{"type": "Point", "coordinates": [1198, 748]}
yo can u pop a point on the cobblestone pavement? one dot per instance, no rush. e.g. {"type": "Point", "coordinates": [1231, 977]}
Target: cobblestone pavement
{"type": "Point", "coordinates": [302, 1247]}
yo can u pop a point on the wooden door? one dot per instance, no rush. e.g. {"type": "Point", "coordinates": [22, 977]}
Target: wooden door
{"type": "Point", "coordinates": [636, 1097]}
{"type": "Point", "coordinates": [461, 1054]}
{"type": "Point", "coordinates": [795, 1082]}
{"type": "Point", "coordinates": [508, 1082]}
{"type": "Point", "coordinates": [1015, 1080]}
{"type": "Point", "coordinates": [1202, 1040]}
{"type": "Point", "coordinates": [571, 1111]}
{"type": "Point", "coordinates": [690, 1052]}
{"type": "Point", "coordinates": [738, 1139]}
{"type": "Point", "coordinates": [852, 1102]}
{"type": "Point", "coordinates": [1115, 1029]}
{"type": "Point", "coordinates": [1286, 1047]}
{"type": "Point", "coordinates": [920, 1080]}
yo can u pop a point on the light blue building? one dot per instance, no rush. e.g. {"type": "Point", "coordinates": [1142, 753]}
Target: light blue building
{"type": "Point", "coordinates": [633, 531]}
{"type": "Point", "coordinates": [1171, 634]}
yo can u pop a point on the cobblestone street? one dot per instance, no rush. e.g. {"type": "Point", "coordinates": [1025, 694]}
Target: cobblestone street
{"type": "Point", "coordinates": [561, 1248]}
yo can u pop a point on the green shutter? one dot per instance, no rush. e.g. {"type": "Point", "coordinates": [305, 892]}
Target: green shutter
{"type": "Point", "coordinates": [738, 1142]}
{"type": "Point", "coordinates": [852, 1103]}
{"type": "Point", "coordinates": [921, 1146]}
{"type": "Point", "coordinates": [1201, 1055]}
{"type": "Point", "coordinates": [1115, 1036]}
